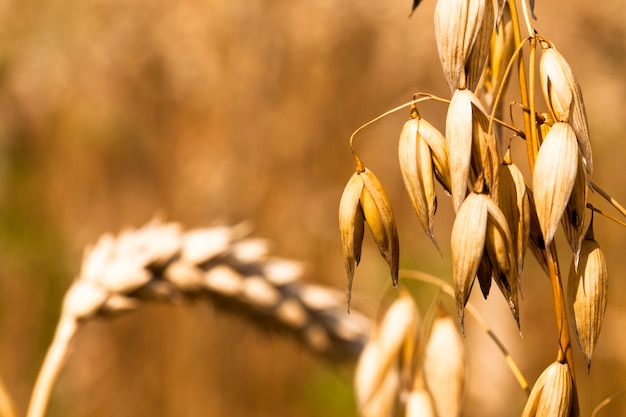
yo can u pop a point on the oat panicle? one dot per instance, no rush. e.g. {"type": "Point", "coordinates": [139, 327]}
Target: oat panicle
{"type": "Point", "coordinates": [501, 211]}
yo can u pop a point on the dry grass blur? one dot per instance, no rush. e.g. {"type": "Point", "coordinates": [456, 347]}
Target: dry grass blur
{"type": "Point", "coordinates": [112, 111]}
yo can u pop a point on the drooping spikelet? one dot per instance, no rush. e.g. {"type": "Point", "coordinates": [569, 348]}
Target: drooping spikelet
{"type": "Point", "coordinates": [472, 152]}
{"type": "Point", "coordinates": [554, 177]}
{"type": "Point", "coordinates": [364, 200]}
{"type": "Point", "coordinates": [587, 293]}
{"type": "Point", "coordinates": [481, 244]}
{"type": "Point", "coordinates": [552, 394]}
{"type": "Point", "coordinates": [423, 158]}
{"type": "Point", "coordinates": [377, 375]}
{"type": "Point", "coordinates": [458, 33]}
{"type": "Point", "coordinates": [564, 97]}
{"type": "Point", "coordinates": [514, 203]}
{"type": "Point", "coordinates": [573, 220]}
{"type": "Point", "coordinates": [444, 366]}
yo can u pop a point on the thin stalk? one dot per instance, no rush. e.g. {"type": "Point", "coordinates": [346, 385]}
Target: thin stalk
{"type": "Point", "coordinates": [500, 93]}
{"type": "Point", "coordinates": [564, 354]}
{"type": "Point", "coordinates": [565, 346]}
{"type": "Point", "coordinates": [608, 198]}
{"type": "Point", "coordinates": [55, 358]}
{"type": "Point", "coordinates": [523, 85]}
{"type": "Point", "coordinates": [608, 216]}
{"type": "Point", "coordinates": [424, 96]}
{"type": "Point", "coordinates": [532, 140]}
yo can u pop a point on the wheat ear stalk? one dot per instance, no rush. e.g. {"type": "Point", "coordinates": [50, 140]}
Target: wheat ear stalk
{"type": "Point", "coordinates": [52, 365]}
{"type": "Point", "coordinates": [219, 265]}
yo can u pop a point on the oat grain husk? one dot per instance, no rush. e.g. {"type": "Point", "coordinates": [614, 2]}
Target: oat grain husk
{"type": "Point", "coordinates": [364, 200]}
{"type": "Point", "coordinates": [587, 294]}
{"type": "Point", "coordinates": [554, 177]}
{"type": "Point", "coordinates": [445, 366]}
{"type": "Point", "coordinates": [564, 97]}
{"type": "Point", "coordinates": [552, 394]}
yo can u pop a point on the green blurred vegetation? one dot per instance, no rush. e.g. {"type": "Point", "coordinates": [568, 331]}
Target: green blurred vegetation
{"type": "Point", "coordinates": [223, 111]}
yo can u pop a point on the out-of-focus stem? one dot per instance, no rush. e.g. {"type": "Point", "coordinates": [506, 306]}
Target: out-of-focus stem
{"type": "Point", "coordinates": [6, 405]}
{"type": "Point", "coordinates": [606, 401]}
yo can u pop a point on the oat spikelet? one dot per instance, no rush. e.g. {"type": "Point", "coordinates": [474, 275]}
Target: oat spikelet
{"type": "Point", "coordinates": [437, 144]}
{"type": "Point", "coordinates": [352, 228]}
{"type": "Point", "coordinates": [419, 404]}
{"type": "Point", "coordinates": [485, 160]}
{"type": "Point", "coordinates": [381, 222]}
{"type": "Point", "coordinates": [378, 366]}
{"type": "Point", "coordinates": [502, 257]}
{"type": "Point", "coordinates": [419, 185]}
{"type": "Point", "coordinates": [587, 294]}
{"type": "Point", "coordinates": [422, 156]}
{"type": "Point", "coordinates": [536, 243]}
{"type": "Point", "coordinates": [459, 130]}
{"type": "Point", "coordinates": [457, 27]}
{"type": "Point", "coordinates": [467, 244]}
{"type": "Point", "coordinates": [482, 246]}
{"type": "Point", "coordinates": [472, 152]}
{"type": "Point", "coordinates": [364, 200]}
{"type": "Point", "coordinates": [376, 391]}
{"type": "Point", "coordinates": [554, 177]}
{"type": "Point", "coordinates": [552, 394]}
{"type": "Point", "coordinates": [482, 45]}
{"type": "Point", "coordinates": [564, 97]}
{"type": "Point", "coordinates": [515, 205]}
{"type": "Point", "coordinates": [574, 217]}
{"type": "Point", "coordinates": [444, 366]}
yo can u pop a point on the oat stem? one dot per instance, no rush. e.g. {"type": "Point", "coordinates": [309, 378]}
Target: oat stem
{"type": "Point", "coordinates": [565, 346]}
{"type": "Point", "coordinates": [500, 92]}
{"type": "Point", "coordinates": [469, 307]}
{"type": "Point", "coordinates": [55, 358]}
{"type": "Point", "coordinates": [532, 139]}
{"type": "Point", "coordinates": [528, 126]}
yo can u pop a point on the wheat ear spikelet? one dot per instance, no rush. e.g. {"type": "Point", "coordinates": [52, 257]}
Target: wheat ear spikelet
{"type": "Point", "coordinates": [219, 265]}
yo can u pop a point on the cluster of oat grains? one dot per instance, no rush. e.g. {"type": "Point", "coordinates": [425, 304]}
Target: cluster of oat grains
{"type": "Point", "coordinates": [499, 212]}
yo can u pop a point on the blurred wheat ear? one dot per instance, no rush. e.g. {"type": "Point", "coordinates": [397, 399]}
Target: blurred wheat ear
{"type": "Point", "coordinates": [217, 265]}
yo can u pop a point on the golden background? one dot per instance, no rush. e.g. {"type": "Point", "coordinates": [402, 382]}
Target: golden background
{"type": "Point", "coordinates": [223, 111]}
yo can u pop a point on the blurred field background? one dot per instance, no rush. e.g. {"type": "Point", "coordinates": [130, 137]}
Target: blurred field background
{"type": "Point", "coordinates": [224, 111]}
